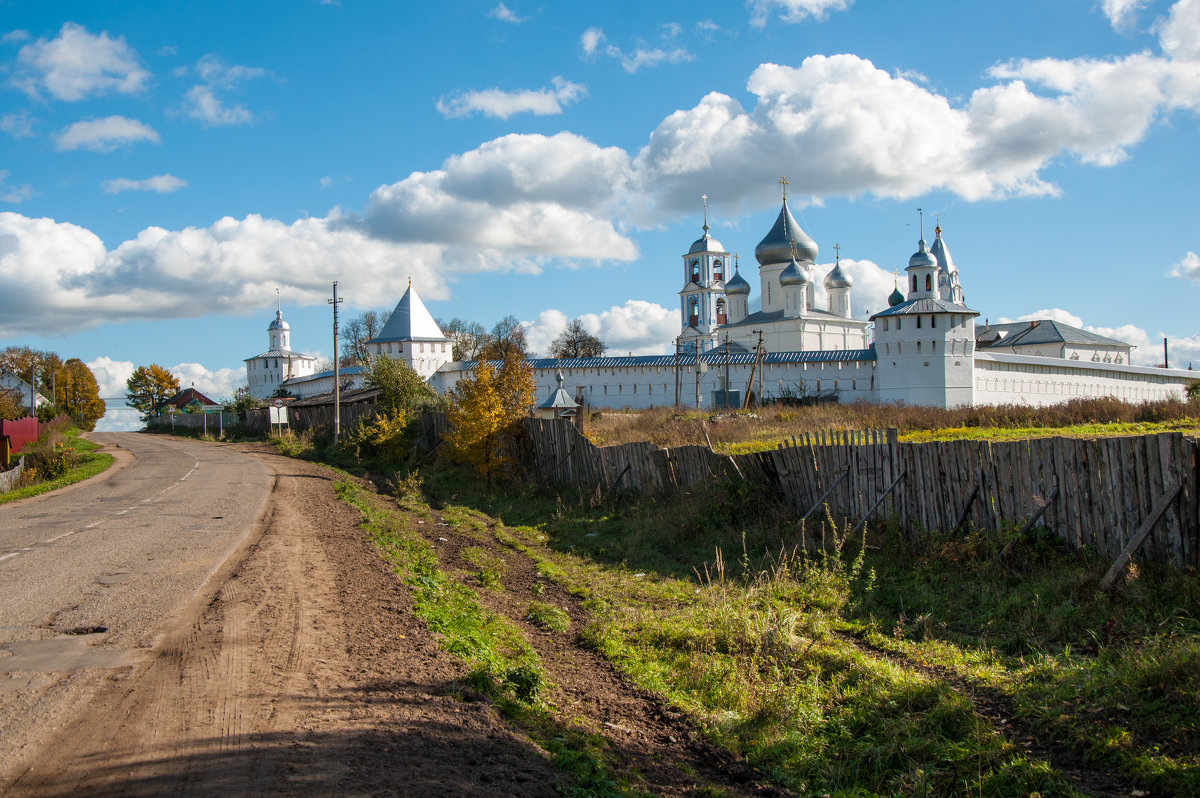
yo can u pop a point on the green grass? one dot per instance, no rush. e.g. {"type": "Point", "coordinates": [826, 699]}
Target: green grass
{"type": "Point", "coordinates": [548, 617]}
{"type": "Point", "coordinates": [722, 604]}
{"type": "Point", "coordinates": [499, 662]}
{"type": "Point", "coordinates": [91, 463]}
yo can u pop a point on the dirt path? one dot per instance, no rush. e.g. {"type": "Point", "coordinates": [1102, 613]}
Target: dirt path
{"type": "Point", "coordinates": [303, 674]}
{"type": "Point", "coordinates": [643, 735]}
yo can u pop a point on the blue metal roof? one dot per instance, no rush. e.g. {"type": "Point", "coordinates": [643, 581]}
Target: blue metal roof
{"type": "Point", "coordinates": [712, 358]}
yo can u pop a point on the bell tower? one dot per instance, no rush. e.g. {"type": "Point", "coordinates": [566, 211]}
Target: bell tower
{"type": "Point", "coordinates": [703, 305]}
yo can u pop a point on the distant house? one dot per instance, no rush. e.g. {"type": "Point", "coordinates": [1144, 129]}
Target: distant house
{"type": "Point", "coordinates": [1049, 338]}
{"type": "Point", "coordinates": [189, 400]}
{"type": "Point", "coordinates": [11, 383]}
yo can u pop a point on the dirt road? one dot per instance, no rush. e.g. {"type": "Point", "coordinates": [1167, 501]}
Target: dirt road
{"type": "Point", "coordinates": [304, 675]}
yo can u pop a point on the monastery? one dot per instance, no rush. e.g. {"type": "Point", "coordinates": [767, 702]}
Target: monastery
{"type": "Point", "coordinates": [924, 349]}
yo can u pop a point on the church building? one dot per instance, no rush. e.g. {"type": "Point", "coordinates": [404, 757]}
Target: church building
{"type": "Point", "coordinates": [924, 349]}
{"type": "Point", "coordinates": [265, 373]}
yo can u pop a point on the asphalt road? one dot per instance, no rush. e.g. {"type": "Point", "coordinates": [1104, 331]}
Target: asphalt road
{"type": "Point", "coordinates": [92, 575]}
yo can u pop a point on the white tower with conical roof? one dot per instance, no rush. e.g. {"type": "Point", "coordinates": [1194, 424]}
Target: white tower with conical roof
{"type": "Point", "coordinates": [413, 336]}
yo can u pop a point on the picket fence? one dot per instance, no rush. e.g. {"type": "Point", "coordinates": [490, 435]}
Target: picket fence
{"type": "Point", "coordinates": [1094, 493]}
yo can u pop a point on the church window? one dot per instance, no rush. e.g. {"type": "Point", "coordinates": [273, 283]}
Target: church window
{"type": "Point", "coordinates": [918, 347]}
{"type": "Point", "coordinates": [818, 383]}
{"type": "Point", "coordinates": [933, 321]}
{"type": "Point", "coordinates": [718, 270]}
{"type": "Point", "coordinates": [914, 282]}
{"type": "Point", "coordinates": [933, 346]}
{"type": "Point", "coordinates": [721, 310]}
{"type": "Point", "coordinates": [899, 324]}
{"type": "Point", "coordinates": [929, 282]}
{"type": "Point", "coordinates": [885, 326]}
{"type": "Point", "coordinates": [696, 271]}
{"type": "Point", "coordinates": [854, 384]}
{"type": "Point", "coordinates": [918, 322]}
{"type": "Point", "coordinates": [693, 312]}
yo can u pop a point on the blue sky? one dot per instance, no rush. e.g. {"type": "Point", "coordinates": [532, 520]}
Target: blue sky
{"type": "Point", "coordinates": [165, 168]}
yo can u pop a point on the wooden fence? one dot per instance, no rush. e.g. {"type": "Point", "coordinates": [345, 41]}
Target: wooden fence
{"type": "Point", "coordinates": [1092, 493]}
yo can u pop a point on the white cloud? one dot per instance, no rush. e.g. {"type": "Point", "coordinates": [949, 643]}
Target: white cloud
{"type": "Point", "coordinates": [111, 375]}
{"type": "Point", "coordinates": [77, 65]}
{"type": "Point", "coordinates": [592, 39]}
{"type": "Point", "coordinates": [503, 104]}
{"type": "Point", "coordinates": [637, 327]}
{"type": "Point", "coordinates": [216, 384]}
{"type": "Point", "coordinates": [838, 125]}
{"type": "Point", "coordinates": [516, 196]}
{"type": "Point", "coordinates": [104, 135]}
{"type": "Point", "coordinates": [202, 100]}
{"type": "Point", "coordinates": [57, 277]}
{"type": "Point", "coordinates": [640, 327]}
{"type": "Point", "coordinates": [541, 332]}
{"type": "Point", "coordinates": [18, 124]}
{"type": "Point", "coordinates": [1188, 268]}
{"type": "Point", "coordinates": [505, 14]}
{"type": "Point", "coordinates": [1179, 33]}
{"type": "Point", "coordinates": [1121, 13]}
{"type": "Point", "coordinates": [1054, 314]}
{"type": "Point", "coordinates": [15, 194]}
{"type": "Point", "coordinates": [793, 10]}
{"type": "Point", "coordinates": [161, 184]}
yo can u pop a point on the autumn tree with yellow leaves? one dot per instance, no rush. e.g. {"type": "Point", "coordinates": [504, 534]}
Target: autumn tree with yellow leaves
{"type": "Point", "coordinates": [485, 412]}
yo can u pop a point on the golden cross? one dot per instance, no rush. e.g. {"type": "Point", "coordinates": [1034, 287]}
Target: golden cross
{"type": "Point", "coordinates": [783, 184]}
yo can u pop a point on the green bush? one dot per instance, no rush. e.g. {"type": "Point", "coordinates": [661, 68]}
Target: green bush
{"type": "Point", "coordinates": [385, 439]}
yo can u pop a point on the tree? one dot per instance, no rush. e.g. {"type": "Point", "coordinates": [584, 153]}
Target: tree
{"type": "Point", "coordinates": [507, 338]}
{"type": "Point", "coordinates": [148, 388]}
{"type": "Point", "coordinates": [356, 332]}
{"type": "Point", "coordinates": [468, 337]}
{"type": "Point", "coordinates": [400, 388]}
{"type": "Point", "coordinates": [11, 406]}
{"type": "Point", "coordinates": [484, 412]}
{"type": "Point", "coordinates": [34, 365]}
{"type": "Point", "coordinates": [575, 341]}
{"type": "Point", "coordinates": [78, 395]}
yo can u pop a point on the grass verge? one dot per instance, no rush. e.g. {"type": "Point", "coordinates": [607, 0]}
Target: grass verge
{"type": "Point", "coordinates": [499, 662]}
{"type": "Point", "coordinates": [91, 462]}
{"type": "Point", "coordinates": [761, 650]}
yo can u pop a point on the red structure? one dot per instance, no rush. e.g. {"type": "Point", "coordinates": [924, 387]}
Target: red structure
{"type": "Point", "coordinates": [15, 434]}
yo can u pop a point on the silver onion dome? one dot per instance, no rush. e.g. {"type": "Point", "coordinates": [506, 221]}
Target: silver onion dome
{"type": "Point", "coordinates": [705, 243]}
{"type": "Point", "coordinates": [737, 285]}
{"type": "Point", "coordinates": [279, 323]}
{"type": "Point", "coordinates": [922, 259]}
{"type": "Point", "coordinates": [793, 275]}
{"type": "Point", "coordinates": [785, 241]}
{"type": "Point", "coordinates": [837, 278]}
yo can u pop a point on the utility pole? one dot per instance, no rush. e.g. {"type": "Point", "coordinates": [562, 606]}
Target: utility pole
{"type": "Point", "coordinates": [676, 373]}
{"type": "Point", "coordinates": [337, 387]}
{"type": "Point", "coordinates": [727, 372]}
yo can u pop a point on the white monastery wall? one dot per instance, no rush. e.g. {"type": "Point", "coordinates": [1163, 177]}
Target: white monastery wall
{"type": "Point", "coordinates": [1039, 381]}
